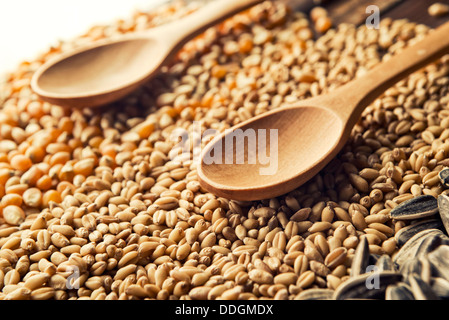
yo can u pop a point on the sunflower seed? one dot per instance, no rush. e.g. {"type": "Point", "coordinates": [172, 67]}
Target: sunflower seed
{"type": "Point", "coordinates": [431, 242]}
{"type": "Point", "coordinates": [420, 289]}
{"type": "Point", "coordinates": [411, 266]}
{"type": "Point", "coordinates": [438, 259]}
{"type": "Point", "coordinates": [404, 234]}
{"type": "Point", "coordinates": [444, 177]}
{"type": "Point", "coordinates": [426, 270]}
{"type": "Point", "coordinates": [385, 263]}
{"type": "Point", "coordinates": [443, 208]}
{"type": "Point", "coordinates": [361, 287]}
{"type": "Point", "coordinates": [315, 294]}
{"type": "Point", "coordinates": [415, 208]}
{"type": "Point", "coordinates": [400, 291]}
{"type": "Point", "coordinates": [441, 287]}
{"type": "Point", "coordinates": [373, 258]}
{"type": "Point", "coordinates": [360, 260]}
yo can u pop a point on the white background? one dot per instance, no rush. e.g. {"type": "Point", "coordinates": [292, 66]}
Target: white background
{"type": "Point", "coordinates": [28, 27]}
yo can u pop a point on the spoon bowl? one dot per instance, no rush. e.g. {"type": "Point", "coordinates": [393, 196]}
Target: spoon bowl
{"type": "Point", "coordinates": [91, 77]}
{"type": "Point", "coordinates": [110, 69]}
{"type": "Point", "coordinates": [291, 160]}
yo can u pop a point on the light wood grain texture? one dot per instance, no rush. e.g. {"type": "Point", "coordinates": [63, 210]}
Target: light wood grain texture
{"type": "Point", "coordinates": [313, 131]}
{"type": "Point", "coordinates": [111, 69]}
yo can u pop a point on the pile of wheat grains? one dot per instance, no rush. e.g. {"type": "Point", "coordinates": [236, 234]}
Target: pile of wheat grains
{"type": "Point", "coordinates": [94, 207]}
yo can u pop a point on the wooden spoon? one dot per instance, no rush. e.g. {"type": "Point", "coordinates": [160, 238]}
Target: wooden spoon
{"type": "Point", "coordinates": [310, 132]}
{"type": "Point", "coordinates": [111, 69]}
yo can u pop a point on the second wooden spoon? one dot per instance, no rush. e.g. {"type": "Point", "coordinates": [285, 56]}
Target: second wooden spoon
{"type": "Point", "coordinates": [310, 133]}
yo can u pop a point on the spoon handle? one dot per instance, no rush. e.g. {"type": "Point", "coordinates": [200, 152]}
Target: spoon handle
{"type": "Point", "coordinates": [350, 100]}
{"type": "Point", "coordinates": [186, 28]}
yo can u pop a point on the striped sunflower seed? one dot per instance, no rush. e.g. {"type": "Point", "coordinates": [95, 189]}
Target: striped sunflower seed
{"type": "Point", "coordinates": [404, 234]}
{"type": "Point", "coordinates": [444, 177]}
{"type": "Point", "coordinates": [410, 248]}
{"type": "Point", "coordinates": [360, 260]}
{"type": "Point", "coordinates": [420, 289]}
{"type": "Point", "coordinates": [399, 291]}
{"type": "Point", "coordinates": [431, 242]}
{"type": "Point", "coordinates": [443, 208]}
{"type": "Point", "coordinates": [441, 287]}
{"type": "Point", "coordinates": [411, 266]}
{"type": "Point", "coordinates": [315, 294]}
{"type": "Point", "coordinates": [385, 263]}
{"type": "Point", "coordinates": [415, 208]}
{"type": "Point", "coordinates": [360, 287]}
